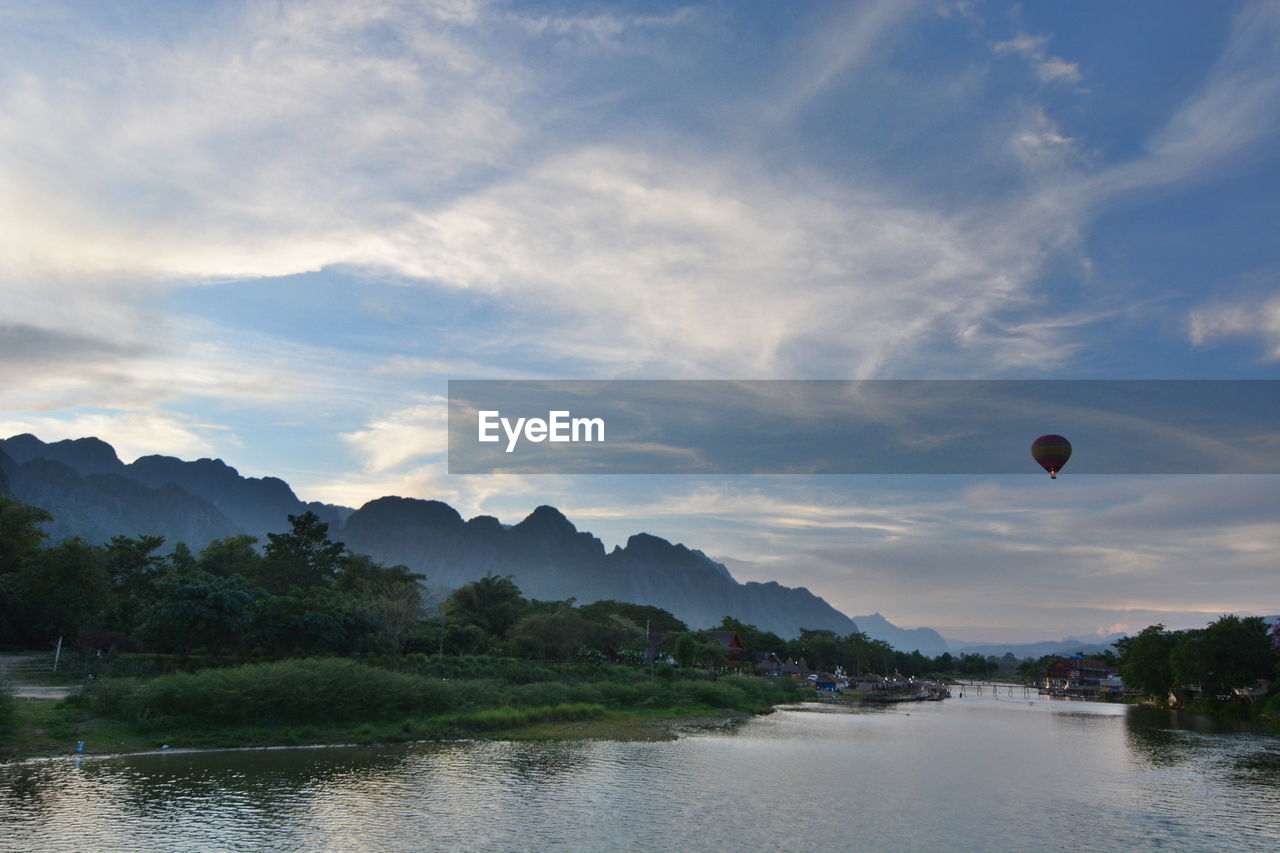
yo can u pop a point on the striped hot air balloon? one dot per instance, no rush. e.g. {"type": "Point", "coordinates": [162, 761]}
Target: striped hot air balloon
{"type": "Point", "coordinates": [1052, 452]}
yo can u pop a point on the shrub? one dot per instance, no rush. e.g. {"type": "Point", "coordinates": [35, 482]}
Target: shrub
{"type": "Point", "coordinates": [296, 691]}
{"type": "Point", "coordinates": [8, 704]}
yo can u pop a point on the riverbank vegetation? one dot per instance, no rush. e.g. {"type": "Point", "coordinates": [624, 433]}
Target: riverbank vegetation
{"type": "Point", "coordinates": [301, 640]}
{"type": "Point", "coordinates": [1227, 668]}
{"type": "Point", "coordinates": [128, 607]}
{"type": "Point", "coordinates": [328, 700]}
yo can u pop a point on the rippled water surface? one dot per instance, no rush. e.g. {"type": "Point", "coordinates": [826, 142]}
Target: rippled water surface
{"type": "Point", "coordinates": [973, 773]}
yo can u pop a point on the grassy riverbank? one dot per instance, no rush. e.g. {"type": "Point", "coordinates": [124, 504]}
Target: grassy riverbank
{"type": "Point", "coordinates": [317, 701]}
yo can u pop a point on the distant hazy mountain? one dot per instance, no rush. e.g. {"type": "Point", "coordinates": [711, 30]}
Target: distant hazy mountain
{"type": "Point", "coordinates": [925, 640]}
{"type": "Point", "coordinates": [551, 559]}
{"type": "Point", "coordinates": [1067, 646]}
{"type": "Point", "coordinates": [92, 494]}
{"type": "Point", "coordinates": [104, 497]}
{"type": "Point", "coordinates": [97, 506]}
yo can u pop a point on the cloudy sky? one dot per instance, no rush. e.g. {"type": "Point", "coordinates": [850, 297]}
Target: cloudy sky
{"type": "Point", "coordinates": [271, 232]}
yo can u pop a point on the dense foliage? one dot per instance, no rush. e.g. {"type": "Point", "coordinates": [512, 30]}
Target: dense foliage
{"type": "Point", "coordinates": [1209, 662]}
{"type": "Point", "coordinates": [304, 594]}
{"type": "Point", "coordinates": [341, 690]}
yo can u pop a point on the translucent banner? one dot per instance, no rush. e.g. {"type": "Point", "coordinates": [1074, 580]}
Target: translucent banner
{"type": "Point", "coordinates": [864, 426]}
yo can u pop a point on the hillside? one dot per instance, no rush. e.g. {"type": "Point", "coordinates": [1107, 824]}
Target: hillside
{"type": "Point", "coordinates": [93, 494]}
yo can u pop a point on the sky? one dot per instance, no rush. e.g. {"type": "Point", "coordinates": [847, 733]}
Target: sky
{"type": "Point", "coordinates": [272, 232]}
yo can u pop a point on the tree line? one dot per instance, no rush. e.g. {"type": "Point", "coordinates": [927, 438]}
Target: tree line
{"type": "Point", "coordinates": [1210, 662]}
{"type": "Point", "coordinates": [303, 594]}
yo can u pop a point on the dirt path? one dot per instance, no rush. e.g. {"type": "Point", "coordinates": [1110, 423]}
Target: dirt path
{"type": "Point", "coordinates": [19, 669]}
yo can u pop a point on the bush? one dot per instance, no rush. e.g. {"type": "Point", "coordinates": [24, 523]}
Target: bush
{"type": "Point", "coordinates": [8, 704]}
{"type": "Point", "coordinates": [494, 719]}
{"type": "Point", "coordinates": [297, 691]}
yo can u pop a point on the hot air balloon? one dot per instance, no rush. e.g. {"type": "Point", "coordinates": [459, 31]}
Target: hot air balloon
{"type": "Point", "coordinates": [1052, 452]}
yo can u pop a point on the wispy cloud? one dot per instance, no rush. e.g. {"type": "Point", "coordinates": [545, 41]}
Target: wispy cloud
{"type": "Point", "coordinates": [421, 430]}
{"type": "Point", "coordinates": [1034, 49]}
{"type": "Point", "coordinates": [1216, 129]}
{"type": "Point", "coordinates": [836, 47]}
{"type": "Point", "coordinates": [1242, 318]}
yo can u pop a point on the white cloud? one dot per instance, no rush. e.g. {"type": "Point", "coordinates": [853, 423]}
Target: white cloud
{"type": "Point", "coordinates": [839, 46]}
{"type": "Point", "coordinates": [404, 435]}
{"type": "Point", "coordinates": [233, 152]}
{"type": "Point", "coordinates": [600, 29]}
{"type": "Point", "coordinates": [508, 496]}
{"type": "Point", "coordinates": [1224, 121]}
{"type": "Point", "coordinates": [1040, 143]}
{"type": "Point", "coordinates": [693, 263]}
{"type": "Point", "coordinates": [1249, 318]}
{"type": "Point", "coordinates": [1048, 69]}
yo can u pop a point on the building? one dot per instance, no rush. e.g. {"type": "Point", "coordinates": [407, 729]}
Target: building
{"type": "Point", "coordinates": [732, 644]}
{"type": "Point", "coordinates": [1077, 675]}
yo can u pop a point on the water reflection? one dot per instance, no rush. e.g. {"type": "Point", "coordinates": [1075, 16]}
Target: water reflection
{"type": "Point", "coordinates": [980, 773]}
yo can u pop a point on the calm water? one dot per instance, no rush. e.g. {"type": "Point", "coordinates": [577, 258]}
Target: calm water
{"type": "Point", "coordinates": [978, 773]}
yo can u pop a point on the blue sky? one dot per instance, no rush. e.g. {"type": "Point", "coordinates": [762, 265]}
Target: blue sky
{"type": "Point", "coordinates": [271, 232]}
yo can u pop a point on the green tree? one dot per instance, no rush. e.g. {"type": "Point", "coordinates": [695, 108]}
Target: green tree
{"type": "Point", "coordinates": [696, 648]}
{"type": "Point", "coordinates": [318, 622]}
{"type": "Point", "coordinates": [1234, 652]}
{"type": "Point", "coordinates": [234, 555]}
{"type": "Point", "coordinates": [660, 621]}
{"type": "Point", "coordinates": [20, 533]}
{"type": "Point", "coordinates": [1145, 661]}
{"type": "Point", "coordinates": [391, 596]}
{"type": "Point", "coordinates": [182, 561]}
{"type": "Point", "coordinates": [199, 610]}
{"type": "Point", "coordinates": [1033, 670]}
{"type": "Point", "coordinates": [66, 591]}
{"type": "Point", "coordinates": [493, 604]}
{"type": "Point", "coordinates": [686, 649]}
{"type": "Point", "coordinates": [820, 648]}
{"type": "Point", "coordinates": [557, 634]}
{"type": "Point", "coordinates": [303, 558]}
{"type": "Point", "coordinates": [133, 569]}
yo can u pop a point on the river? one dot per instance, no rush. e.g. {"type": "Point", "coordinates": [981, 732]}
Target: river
{"type": "Point", "coordinates": [1005, 772]}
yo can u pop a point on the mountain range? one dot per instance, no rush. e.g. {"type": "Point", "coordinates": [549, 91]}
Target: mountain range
{"type": "Point", "coordinates": [1091, 645]}
{"type": "Point", "coordinates": [91, 493]}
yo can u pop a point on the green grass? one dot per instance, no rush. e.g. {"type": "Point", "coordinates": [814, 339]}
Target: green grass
{"type": "Point", "coordinates": [311, 701]}
{"type": "Point", "coordinates": [52, 727]}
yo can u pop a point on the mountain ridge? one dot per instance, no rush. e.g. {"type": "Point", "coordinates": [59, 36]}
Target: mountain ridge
{"type": "Point", "coordinates": [93, 494]}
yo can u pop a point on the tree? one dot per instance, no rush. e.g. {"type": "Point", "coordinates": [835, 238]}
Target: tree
{"type": "Point", "coordinates": [304, 557]}
{"type": "Point", "coordinates": [660, 621]}
{"type": "Point", "coordinates": [66, 591]}
{"type": "Point", "coordinates": [493, 604]}
{"type": "Point", "coordinates": [234, 555]}
{"type": "Point", "coordinates": [1145, 660]}
{"type": "Point", "coordinates": [133, 570]}
{"type": "Point", "coordinates": [1234, 652]}
{"type": "Point", "coordinates": [391, 596]}
{"type": "Point", "coordinates": [1033, 670]}
{"type": "Point", "coordinates": [320, 621]}
{"type": "Point", "coordinates": [20, 533]}
{"type": "Point", "coordinates": [820, 648]}
{"type": "Point", "coordinates": [686, 649]}
{"type": "Point", "coordinates": [199, 610]}
{"type": "Point", "coordinates": [696, 648]}
{"type": "Point", "coordinates": [558, 634]}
